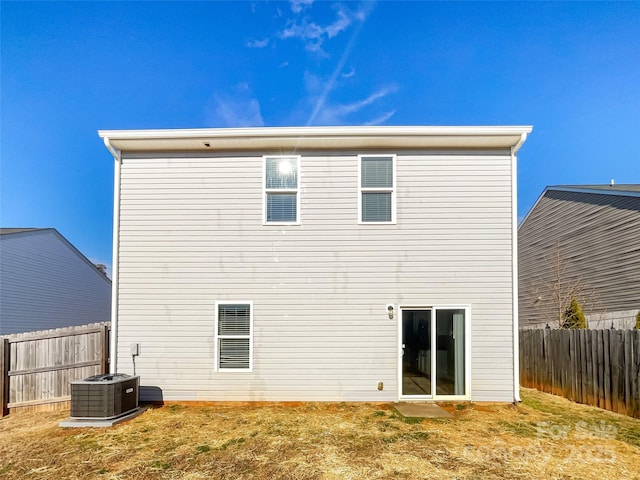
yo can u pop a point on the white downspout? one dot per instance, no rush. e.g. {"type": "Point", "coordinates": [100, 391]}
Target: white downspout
{"type": "Point", "coordinates": [113, 347]}
{"type": "Point", "coordinates": [514, 267]}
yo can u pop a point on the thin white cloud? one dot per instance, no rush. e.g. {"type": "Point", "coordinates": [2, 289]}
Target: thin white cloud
{"type": "Point", "coordinates": [238, 108]}
{"type": "Point", "coordinates": [338, 114]}
{"type": "Point", "coordinates": [310, 33]}
{"type": "Point", "coordinates": [253, 43]}
{"type": "Point", "coordinates": [340, 24]}
{"type": "Point", "coordinates": [350, 73]}
{"type": "Point", "coordinates": [329, 86]}
{"type": "Point", "coordinates": [349, 108]}
{"type": "Point", "coordinates": [313, 84]}
{"type": "Point", "coordinates": [313, 35]}
{"type": "Point", "coordinates": [298, 5]}
{"type": "Point", "coordinates": [381, 119]}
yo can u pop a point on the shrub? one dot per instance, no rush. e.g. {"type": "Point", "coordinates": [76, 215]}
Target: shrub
{"type": "Point", "coordinates": [574, 316]}
{"type": "Point", "coordinates": [638, 320]}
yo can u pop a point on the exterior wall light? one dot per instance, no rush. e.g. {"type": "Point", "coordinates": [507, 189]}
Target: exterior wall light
{"type": "Point", "coordinates": [390, 310]}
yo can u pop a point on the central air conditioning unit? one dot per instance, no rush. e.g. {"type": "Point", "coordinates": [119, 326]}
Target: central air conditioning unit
{"type": "Point", "coordinates": [104, 396]}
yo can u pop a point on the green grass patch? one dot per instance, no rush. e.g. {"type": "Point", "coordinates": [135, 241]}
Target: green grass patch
{"type": "Point", "coordinates": [440, 421]}
{"type": "Point", "coordinates": [85, 442]}
{"type": "Point", "coordinates": [521, 429]}
{"type": "Point", "coordinates": [175, 408]}
{"type": "Point", "coordinates": [232, 442]}
{"type": "Point", "coordinates": [416, 435]}
{"type": "Point", "coordinates": [160, 465]}
{"type": "Point", "coordinates": [630, 435]}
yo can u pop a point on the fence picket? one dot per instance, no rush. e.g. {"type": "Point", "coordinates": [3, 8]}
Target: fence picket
{"type": "Point", "coordinates": [635, 381]}
{"type": "Point", "coordinates": [628, 364]}
{"type": "Point", "coordinates": [4, 376]}
{"type": "Point", "coordinates": [606, 365]}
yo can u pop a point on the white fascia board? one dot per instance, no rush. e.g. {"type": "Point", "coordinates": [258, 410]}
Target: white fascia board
{"type": "Point", "coordinates": [212, 139]}
{"type": "Point", "coordinates": [315, 131]}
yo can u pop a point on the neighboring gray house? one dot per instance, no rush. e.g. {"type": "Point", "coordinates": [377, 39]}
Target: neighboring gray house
{"type": "Point", "coordinates": [45, 282]}
{"type": "Point", "coordinates": [583, 241]}
{"type": "Point", "coordinates": [317, 263]}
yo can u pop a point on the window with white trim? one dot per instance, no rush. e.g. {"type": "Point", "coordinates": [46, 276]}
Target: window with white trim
{"type": "Point", "coordinates": [376, 189]}
{"type": "Point", "coordinates": [234, 336]}
{"type": "Point", "coordinates": [281, 185]}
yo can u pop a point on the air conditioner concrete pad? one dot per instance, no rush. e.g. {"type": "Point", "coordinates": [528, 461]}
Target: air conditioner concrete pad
{"type": "Point", "coordinates": [100, 422]}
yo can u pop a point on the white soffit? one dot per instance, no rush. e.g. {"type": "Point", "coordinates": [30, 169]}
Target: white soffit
{"type": "Point", "coordinates": [321, 138]}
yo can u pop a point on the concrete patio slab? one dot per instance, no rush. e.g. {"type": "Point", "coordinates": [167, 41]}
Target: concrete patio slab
{"type": "Point", "coordinates": [422, 410]}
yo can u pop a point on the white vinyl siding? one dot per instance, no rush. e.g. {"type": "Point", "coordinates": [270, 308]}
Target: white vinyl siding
{"type": "Point", "coordinates": [376, 189]}
{"type": "Point", "coordinates": [191, 235]}
{"type": "Point", "coordinates": [281, 185]}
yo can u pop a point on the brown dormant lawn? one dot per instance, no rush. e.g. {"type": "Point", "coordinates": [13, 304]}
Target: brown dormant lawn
{"type": "Point", "coordinates": [543, 437]}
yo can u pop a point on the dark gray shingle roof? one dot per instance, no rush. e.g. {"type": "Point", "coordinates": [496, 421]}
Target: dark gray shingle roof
{"type": "Point", "coordinates": [5, 231]}
{"type": "Point", "coordinates": [619, 188]}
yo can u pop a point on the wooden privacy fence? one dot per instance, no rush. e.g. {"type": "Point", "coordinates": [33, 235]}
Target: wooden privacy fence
{"type": "Point", "coordinates": [596, 367]}
{"type": "Point", "coordinates": [36, 368]}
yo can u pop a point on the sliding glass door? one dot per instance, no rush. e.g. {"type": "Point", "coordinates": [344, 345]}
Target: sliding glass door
{"type": "Point", "coordinates": [433, 352]}
{"type": "Point", "coordinates": [416, 358]}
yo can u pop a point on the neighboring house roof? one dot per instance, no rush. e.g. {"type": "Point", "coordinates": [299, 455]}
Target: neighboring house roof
{"type": "Point", "coordinates": [591, 234]}
{"type": "Point", "coordinates": [631, 189]}
{"type": "Point", "coordinates": [7, 231]}
{"type": "Point", "coordinates": [624, 190]}
{"type": "Point", "coordinates": [13, 231]}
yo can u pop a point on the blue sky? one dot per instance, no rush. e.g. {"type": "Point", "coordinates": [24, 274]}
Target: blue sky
{"type": "Point", "coordinates": [572, 70]}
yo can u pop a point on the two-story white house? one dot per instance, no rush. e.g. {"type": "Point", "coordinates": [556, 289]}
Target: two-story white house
{"type": "Point", "coordinates": [317, 263]}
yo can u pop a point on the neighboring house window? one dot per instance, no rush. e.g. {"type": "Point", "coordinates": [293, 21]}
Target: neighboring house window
{"type": "Point", "coordinates": [281, 196]}
{"type": "Point", "coordinates": [377, 189]}
{"type": "Point", "coordinates": [234, 336]}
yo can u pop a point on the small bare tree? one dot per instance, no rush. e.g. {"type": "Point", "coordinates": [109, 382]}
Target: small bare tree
{"type": "Point", "coordinates": [553, 298]}
{"type": "Point", "coordinates": [565, 289]}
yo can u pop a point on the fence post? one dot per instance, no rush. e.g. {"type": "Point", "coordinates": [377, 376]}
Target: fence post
{"type": "Point", "coordinates": [105, 348]}
{"type": "Point", "coordinates": [4, 376]}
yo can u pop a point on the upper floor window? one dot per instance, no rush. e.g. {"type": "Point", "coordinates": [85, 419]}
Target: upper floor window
{"type": "Point", "coordinates": [377, 196]}
{"type": "Point", "coordinates": [281, 185]}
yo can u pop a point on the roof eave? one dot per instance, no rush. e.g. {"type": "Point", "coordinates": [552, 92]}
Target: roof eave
{"type": "Point", "coordinates": [295, 138]}
{"type": "Point", "coordinates": [596, 191]}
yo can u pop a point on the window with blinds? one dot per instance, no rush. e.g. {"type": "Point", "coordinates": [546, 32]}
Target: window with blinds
{"type": "Point", "coordinates": [281, 197]}
{"type": "Point", "coordinates": [234, 330]}
{"type": "Point", "coordinates": [377, 189]}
